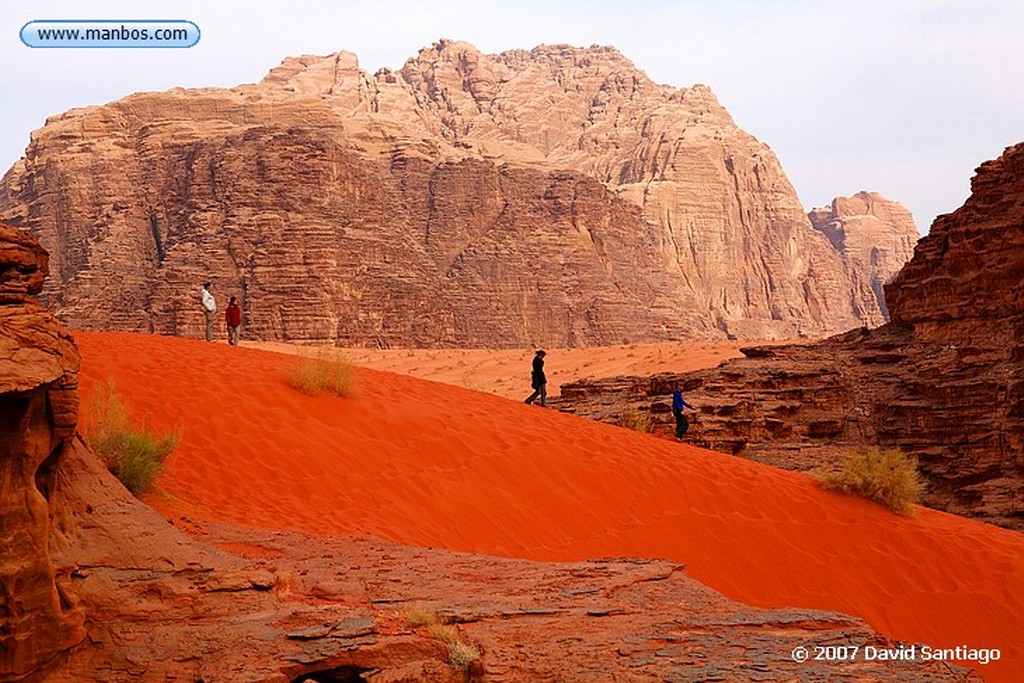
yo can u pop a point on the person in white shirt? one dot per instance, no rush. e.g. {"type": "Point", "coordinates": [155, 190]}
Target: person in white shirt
{"type": "Point", "coordinates": [210, 309]}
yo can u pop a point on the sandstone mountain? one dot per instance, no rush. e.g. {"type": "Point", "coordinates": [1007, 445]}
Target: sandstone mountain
{"type": "Point", "coordinates": [876, 235]}
{"type": "Point", "coordinates": [555, 196]}
{"type": "Point", "coordinates": [943, 381]}
{"type": "Point", "coordinates": [95, 586]}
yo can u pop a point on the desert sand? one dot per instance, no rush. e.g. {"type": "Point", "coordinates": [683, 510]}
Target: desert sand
{"type": "Point", "coordinates": [430, 464]}
{"type": "Point", "coordinates": [506, 372]}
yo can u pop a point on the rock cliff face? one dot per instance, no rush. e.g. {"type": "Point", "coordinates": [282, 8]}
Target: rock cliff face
{"type": "Point", "coordinates": [943, 381]}
{"type": "Point", "coordinates": [876, 235]}
{"type": "Point", "coordinates": [95, 586]}
{"type": "Point", "coordinates": [555, 196]}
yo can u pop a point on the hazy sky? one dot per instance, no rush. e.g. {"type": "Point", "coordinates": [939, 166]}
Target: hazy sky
{"type": "Point", "coordinates": [902, 97]}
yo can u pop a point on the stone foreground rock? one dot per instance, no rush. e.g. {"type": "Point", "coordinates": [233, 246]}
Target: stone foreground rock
{"type": "Point", "coordinates": [555, 197]}
{"type": "Point", "coordinates": [39, 617]}
{"type": "Point", "coordinates": [943, 381]}
{"type": "Point", "coordinates": [302, 608]}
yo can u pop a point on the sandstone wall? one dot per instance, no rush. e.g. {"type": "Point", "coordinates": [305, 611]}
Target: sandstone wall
{"type": "Point", "coordinates": [553, 197]}
{"type": "Point", "coordinates": [876, 235]}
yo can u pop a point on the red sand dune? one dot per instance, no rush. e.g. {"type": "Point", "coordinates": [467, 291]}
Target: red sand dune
{"type": "Point", "coordinates": [430, 464]}
{"type": "Point", "coordinates": [506, 372]}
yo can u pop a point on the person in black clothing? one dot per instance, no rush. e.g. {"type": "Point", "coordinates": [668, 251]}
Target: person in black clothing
{"type": "Point", "coordinates": [538, 380]}
{"type": "Point", "coordinates": [678, 403]}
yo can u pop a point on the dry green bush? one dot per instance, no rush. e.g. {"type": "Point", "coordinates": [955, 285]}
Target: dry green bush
{"type": "Point", "coordinates": [134, 456]}
{"type": "Point", "coordinates": [637, 420]}
{"type": "Point", "coordinates": [888, 477]}
{"type": "Point", "coordinates": [326, 371]}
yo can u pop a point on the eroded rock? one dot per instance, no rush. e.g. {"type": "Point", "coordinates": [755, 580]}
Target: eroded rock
{"type": "Point", "coordinates": [943, 382]}
{"type": "Point", "coordinates": [39, 614]}
{"type": "Point", "coordinates": [555, 196]}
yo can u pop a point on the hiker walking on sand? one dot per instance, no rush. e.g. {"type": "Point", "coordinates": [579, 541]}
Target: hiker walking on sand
{"type": "Point", "coordinates": [538, 380]}
{"type": "Point", "coordinates": [233, 317]}
{"type": "Point", "coordinates": [210, 309]}
{"type": "Point", "coordinates": [678, 403]}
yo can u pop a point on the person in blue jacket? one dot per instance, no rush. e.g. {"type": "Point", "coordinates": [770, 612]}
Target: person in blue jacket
{"type": "Point", "coordinates": [678, 403]}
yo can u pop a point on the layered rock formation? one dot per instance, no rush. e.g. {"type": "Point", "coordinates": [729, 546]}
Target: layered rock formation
{"type": "Point", "coordinates": [875, 234]}
{"type": "Point", "coordinates": [943, 381]}
{"type": "Point", "coordinates": [555, 196]}
{"type": "Point", "coordinates": [97, 587]}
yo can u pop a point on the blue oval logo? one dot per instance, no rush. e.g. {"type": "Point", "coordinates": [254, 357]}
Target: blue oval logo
{"type": "Point", "coordinates": [127, 33]}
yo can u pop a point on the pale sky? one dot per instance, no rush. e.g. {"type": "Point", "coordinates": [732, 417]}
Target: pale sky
{"type": "Point", "coordinates": [902, 97]}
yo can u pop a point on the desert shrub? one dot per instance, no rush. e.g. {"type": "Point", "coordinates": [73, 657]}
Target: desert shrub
{"type": "Point", "coordinates": [461, 654]}
{"type": "Point", "coordinates": [421, 615]}
{"type": "Point", "coordinates": [637, 420]}
{"type": "Point", "coordinates": [135, 456]}
{"type": "Point", "coordinates": [446, 633]}
{"type": "Point", "coordinates": [888, 477]}
{"type": "Point", "coordinates": [326, 371]}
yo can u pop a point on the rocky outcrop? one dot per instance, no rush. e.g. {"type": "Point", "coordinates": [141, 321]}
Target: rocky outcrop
{"type": "Point", "coordinates": [943, 381]}
{"type": "Point", "coordinates": [97, 587]}
{"type": "Point", "coordinates": [964, 284]}
{"type": "Point", "coordinates": [289, 607]}
{"type": "Point", "coordinates": [875, 235]}
{"type": "Point", "coordinates": [555, 196]}
{"type": "Point", "coordinates": [39, 617]}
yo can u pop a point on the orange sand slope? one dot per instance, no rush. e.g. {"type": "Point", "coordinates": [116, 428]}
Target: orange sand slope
{"type": "Point", "coordinates": [430, 464]}
{"type": "Point", "coordinates": [506, 372]}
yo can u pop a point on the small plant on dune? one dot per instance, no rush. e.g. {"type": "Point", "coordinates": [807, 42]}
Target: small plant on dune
{"type": "Point", "coordinates": [134, 456]}
{"type": "Point", "coordinates": [637, 420]}
{"type": "Point", "coordinates": [326, 371]}
{"type": "Point", "coordinates": [888, 477]}
{"type": "Point", "coordinates": [307, 376]}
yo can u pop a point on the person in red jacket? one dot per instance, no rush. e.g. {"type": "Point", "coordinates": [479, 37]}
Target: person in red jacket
{"type": "Point", "coordinates": [233, 315]}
